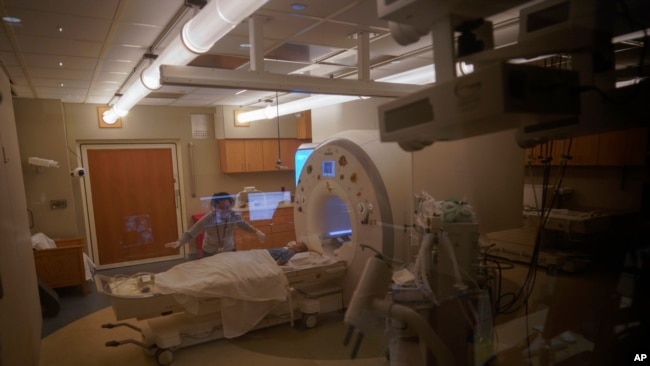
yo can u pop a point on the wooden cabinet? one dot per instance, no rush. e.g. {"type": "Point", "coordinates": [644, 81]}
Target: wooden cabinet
{"type": "Point", "coordinates": [62, 266]}
{"type": "Point", "coordinates": [585, 150]}
{"type": "Point", "coordinates": [254, 152]}
{"type": "Point", "coordinates": [303, 125]}
{"type": "Point", "coordinates": [278, 227]}
{"type": "Point", "coordinates": [270, 157]}
{"type": "Point", "coordinates": [612, 148]}
{"type": "Point", "coordinates": [626, 147]}
{"type": "Point", "coordinates": [636, 146]}
{"type": "Point", "coordinates": [615, 148]}
{"type": "Point", "coordinates": [256, 155]}
{"type": "Point", "coordinates": [288, 150]}
{"type": "Point", "coordinates": [232, 156]}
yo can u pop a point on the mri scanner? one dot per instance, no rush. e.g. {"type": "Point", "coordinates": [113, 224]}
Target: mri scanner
{"type": "Point", "coordinates": [353, 196]}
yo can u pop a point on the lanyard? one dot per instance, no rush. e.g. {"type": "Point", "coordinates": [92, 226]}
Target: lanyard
{"type": "Point", "coordinates": [221, 236]}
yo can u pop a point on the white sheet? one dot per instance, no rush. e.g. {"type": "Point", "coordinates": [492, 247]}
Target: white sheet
{"type": "Point", "coordinates": [249, 282]}
{"type": "Point", "coordinates": [309, 259]}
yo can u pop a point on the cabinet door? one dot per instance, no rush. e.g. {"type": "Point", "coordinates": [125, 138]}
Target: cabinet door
{"type": "Point", "coordinates": [246, 241]}
{"type": "Point", "coordinates": [270, 149]}
{"type": "Point", "coordinates": [636, 150]}
{"type": "Point", "coordinates": [232, 156]}
{"type": "Point", "coordinates": [611, 148]}
{"type": "Point", "coordinates": [288, 150]}
{"type": "Point", "coordinates": [254, 155]}
{"type": "Point", "coordinates": [303, 125]}
{"type": "Point", "coordinates": [538, 154]}
{"type": "Point", "coordinates": [283, 227]}
{"type": "Point", "coordinates": [562, 149]}
{"type": "Point", "coordinates": [585, 150]}
{"type": "Point", "coordinates": [282, 238]}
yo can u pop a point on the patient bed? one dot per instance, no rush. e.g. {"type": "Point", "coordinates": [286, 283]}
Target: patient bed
{"type": "Point", "coordinates": [222, 296]}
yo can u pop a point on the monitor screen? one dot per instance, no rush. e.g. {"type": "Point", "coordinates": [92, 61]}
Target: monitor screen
{"type": "Point", "coordinates": [261, 206]}
{"type": "Point", "coordinates": [300, 159]}
{"type": "Point", "coordinates": [328, 168]}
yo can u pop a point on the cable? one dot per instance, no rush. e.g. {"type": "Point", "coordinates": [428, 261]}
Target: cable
{"type": "Point", "coordinates": [528, 285]}
{"type": "Point", "coordinates": [278, 163]}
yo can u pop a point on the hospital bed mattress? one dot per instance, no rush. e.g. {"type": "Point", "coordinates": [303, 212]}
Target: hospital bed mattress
{"type": "Point", "coordinates": [134, 296]}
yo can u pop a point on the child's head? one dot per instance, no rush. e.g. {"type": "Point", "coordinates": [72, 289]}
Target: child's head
{"type": "Point", "coordinates": [222, 201]}
{"type": "Point", "coordinates": [297, 246]}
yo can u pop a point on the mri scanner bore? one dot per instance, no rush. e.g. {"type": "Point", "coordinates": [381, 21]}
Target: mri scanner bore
{"type": "Point", "coordinates": [342, 201]}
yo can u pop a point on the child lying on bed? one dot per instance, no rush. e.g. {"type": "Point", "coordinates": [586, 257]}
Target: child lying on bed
{"type": "Point", "coordinates": [282, 255]}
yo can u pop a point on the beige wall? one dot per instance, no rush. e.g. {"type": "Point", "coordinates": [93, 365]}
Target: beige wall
{"type": "Point", "coordinates": [55, 130]}
{"type": "Point", "coordinates": [355, 115]}
{"type": "Point", "coordinates": [20, 309]}
{"type": "Point", "coordinates": [486, 171]}
{"type": "Point", "coordinates": [42, 133]}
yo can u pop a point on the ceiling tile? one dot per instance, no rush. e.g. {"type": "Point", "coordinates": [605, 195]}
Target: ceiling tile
{"type": "Point", "coordinates": [86, 8]}
{"type": "Point", "coordinates": [68, 62]}
{"type": "Point", "coordinates": [104, 41]}
{"type": "Point", "coordinates": [133, 34]}
{"type": "Point", "coordinates": [8, 58]}
{"type": "Point", "coordinates": [56, 83]}
{"type": "Point", "coordinates": [63, 47]}
{"type": "Point", "coordinates": [153, 12]}
{"type": "Point", "coordinates": [124, 53]}
{"type": "Point", "coordinates": [45, 24]}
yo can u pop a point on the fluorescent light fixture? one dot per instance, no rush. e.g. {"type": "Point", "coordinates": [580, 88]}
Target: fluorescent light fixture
{"type": "Point", "coordinates": [198, 35]}
{"type": "Point", "coordinates": [419, 76]}
{"type": "Point", "coordinates": [9, 19]}
{"type": "Point", "coordinates": [622, 84]}
{"type": "Point", "coordinates": [313, 102]}
{"type": "Point", "coordinates": [630, 36]}
{"type": "Point", "coordinates": [340, 232]}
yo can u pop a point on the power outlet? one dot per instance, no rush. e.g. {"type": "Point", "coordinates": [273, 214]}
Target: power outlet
{"type": "Point", "coordinates": [58, 204]}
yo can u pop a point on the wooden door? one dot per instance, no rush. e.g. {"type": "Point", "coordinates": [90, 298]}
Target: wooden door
{"type": "Point", "coordinates": [133, 205]}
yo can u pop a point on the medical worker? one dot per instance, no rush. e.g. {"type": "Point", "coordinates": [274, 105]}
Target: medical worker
{"type": "Point", "coordinates": [219, 227]}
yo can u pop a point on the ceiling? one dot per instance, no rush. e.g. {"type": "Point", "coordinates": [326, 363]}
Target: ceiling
{"type": "Point", "coordinates": [89, 51]}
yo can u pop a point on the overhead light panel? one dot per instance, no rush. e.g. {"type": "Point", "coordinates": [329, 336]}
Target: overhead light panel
{"type": "Point", "coordinates": [197, 36]}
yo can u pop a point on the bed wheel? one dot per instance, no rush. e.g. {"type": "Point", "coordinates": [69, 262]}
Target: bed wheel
{"type": "Point", "coordinates": [164, 356]}
{"type": "Point", "coordinates": [309, 320]}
